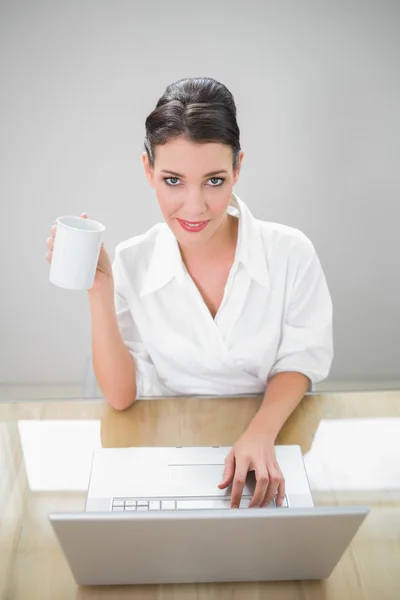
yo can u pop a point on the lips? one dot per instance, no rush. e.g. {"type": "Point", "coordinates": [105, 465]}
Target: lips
{"type": "Point", "coordinates": [193, 226]}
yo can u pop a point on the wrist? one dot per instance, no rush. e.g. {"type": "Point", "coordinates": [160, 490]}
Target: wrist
{"type": "Point", "coordinates": [102, 294]}
{"type": "Point", "coordinates": [261, 427]}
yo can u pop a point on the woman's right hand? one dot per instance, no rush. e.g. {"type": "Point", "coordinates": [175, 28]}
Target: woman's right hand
{"type": "Point", "coordinates": [103, 277]}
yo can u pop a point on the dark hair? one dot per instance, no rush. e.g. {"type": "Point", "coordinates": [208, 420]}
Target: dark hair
{"type": "Point", "coordinates": [200, 109]}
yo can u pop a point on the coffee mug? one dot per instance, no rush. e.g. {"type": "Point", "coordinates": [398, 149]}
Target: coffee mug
{"type": "Point", "coordinates": [76, 252]}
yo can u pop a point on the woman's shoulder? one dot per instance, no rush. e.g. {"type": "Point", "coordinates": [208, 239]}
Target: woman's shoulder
{"type": "Point", "coordinates": [286, 247]}
{"type": "Point", "coordinates": [279, 236]}
{"type": "Point", "coordinates": [133, 257]}
{"type": "Point", "coordinates": [139, 246]}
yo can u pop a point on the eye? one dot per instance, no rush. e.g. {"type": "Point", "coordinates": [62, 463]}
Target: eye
{"type": "Point", "coordinates": [221, 179]}
{"type": "Point", "coordinates": [167, 179]}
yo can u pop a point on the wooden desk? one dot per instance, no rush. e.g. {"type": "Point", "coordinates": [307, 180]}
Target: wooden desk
{"type": "Point", "coordinates": [351, 444]}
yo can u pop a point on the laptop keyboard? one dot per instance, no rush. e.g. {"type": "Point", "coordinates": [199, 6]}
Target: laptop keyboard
{"type": "Point", "coordinates": [138, 505]}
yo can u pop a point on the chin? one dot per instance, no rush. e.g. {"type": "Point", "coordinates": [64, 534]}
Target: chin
{"type": "Point", "coordinates": [186, 238]}
{"type": "Point", "coordinates": [192, 240]}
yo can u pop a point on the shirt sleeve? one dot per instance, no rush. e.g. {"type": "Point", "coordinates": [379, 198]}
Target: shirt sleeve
{"type": "Point", "coordinates": [147, 380]}
{"type": "Point", "coordinates": [306, 344]}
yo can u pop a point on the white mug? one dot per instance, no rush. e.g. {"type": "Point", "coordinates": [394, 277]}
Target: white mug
{"type": "Point", "coordinates": [76, 252]}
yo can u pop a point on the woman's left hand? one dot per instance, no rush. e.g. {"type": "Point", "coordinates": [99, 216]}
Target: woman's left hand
{"type": "Point", "coordinates": [254, 451]}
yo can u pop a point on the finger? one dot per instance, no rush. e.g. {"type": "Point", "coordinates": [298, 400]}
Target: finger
{"type": "Point", "coordinates": [261, 486]}
{"type": "Point", "coordinates": [274, 480]}
{"type": "Point", "coordinates": [84, 216]}
{"type": "Point", "coordinates": [50, 243]}
{"type": "Point", "coordinates": [281, 491]}
{"type": "Point", "coordinates": [53, 230]}
{"type": "Point", "coordinates": [238, 483]}
{"type": "Point", "coordinates": [49, 256]}
{"type": "Point", "coordinates": [229, 471]}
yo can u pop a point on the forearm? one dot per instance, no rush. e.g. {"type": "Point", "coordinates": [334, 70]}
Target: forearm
{"type": "Point", "coordinates": [113, 364]}
{"type": "Point", "coordinates": [283, 394]}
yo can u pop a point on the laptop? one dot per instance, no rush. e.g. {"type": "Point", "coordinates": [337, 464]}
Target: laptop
{"type": "Point", "coordinates": [155, 515]}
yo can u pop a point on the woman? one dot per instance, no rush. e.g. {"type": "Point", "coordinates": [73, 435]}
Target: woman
{"type": "Point", "coordinates": [213, 301]}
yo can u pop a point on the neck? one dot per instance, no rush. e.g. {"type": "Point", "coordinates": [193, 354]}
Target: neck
{"type": "Point", "coordinates": [223, 243]}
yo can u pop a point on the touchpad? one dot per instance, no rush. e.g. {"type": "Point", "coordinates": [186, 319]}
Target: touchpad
{"type": "Point", "coordinates": [203, 480]}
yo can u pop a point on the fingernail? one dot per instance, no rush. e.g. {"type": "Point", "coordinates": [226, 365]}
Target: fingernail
{"type": "Point", "coordinates": [256, 506]}
{"type": "Point", "coordinates": [235, 506]}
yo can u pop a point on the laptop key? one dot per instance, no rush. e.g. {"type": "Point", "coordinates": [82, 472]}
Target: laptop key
{"type": "Point", "coordinates": [284, 504]}
{"type": "Point", "coordinates": [202, 504]}
{"type": "Point", "coordinates": [154, 505]}
{"type": "Point", "coordinates": [118, 503]}
{"type": "Point", "coordinates": [142, 503]}
{"type": "Point", "coordinates": [210, 504]}
{"type": "Point", "coordinates": [168, 504]}
{"type": "Point", "coordinates": [118, 509]}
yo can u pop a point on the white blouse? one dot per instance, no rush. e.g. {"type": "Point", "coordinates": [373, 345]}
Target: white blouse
{"type": "Point", "coordinates": [276, 313]}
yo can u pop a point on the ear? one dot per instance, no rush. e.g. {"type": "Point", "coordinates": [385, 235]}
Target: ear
{"type": "Point", "coordinates": [147, 169]}
{"type": "Point", "coordinates": [237, 171]}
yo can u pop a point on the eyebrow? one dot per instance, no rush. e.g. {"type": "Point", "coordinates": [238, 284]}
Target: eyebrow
{"type": "Point", "coordinates": [206, 175]}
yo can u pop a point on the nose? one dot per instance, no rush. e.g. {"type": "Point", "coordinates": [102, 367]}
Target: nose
{"type": "Point", "coordinates": [194, 204]}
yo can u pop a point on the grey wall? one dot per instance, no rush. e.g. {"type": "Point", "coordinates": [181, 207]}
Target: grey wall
{"type": "Point", "coordinates": [318, 92]}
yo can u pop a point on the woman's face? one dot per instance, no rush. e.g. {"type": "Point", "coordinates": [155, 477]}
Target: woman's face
{"type": "Point", "coordinates": [193, 184]}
